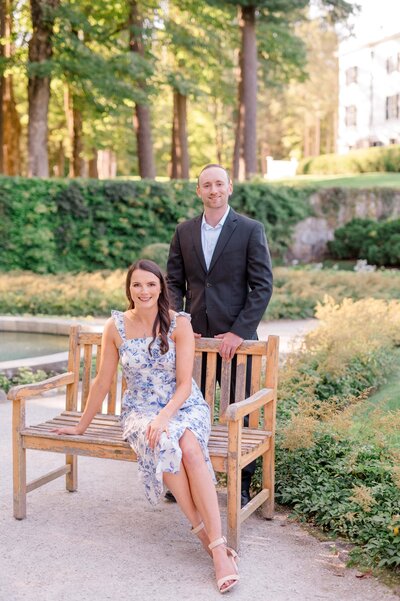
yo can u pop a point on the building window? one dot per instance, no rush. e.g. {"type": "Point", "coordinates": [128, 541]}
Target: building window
{"type": "Point", "coordinates": [351, 116]}
{"type": "Point", "coordinates": [392, 107]}
{"type": "Point", "coordinates": [393, 63]}
{"type": "Point", "coordinates": [351, 75]}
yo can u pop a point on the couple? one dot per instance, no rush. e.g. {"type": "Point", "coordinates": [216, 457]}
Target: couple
{"type": "Point", "coordinates": [164, 415]}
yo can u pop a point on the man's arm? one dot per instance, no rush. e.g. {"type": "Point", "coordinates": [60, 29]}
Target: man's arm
{"type": "Point", "coordinates": [259, 279]}
{"type": "Point", "coordinates": [176, 277]}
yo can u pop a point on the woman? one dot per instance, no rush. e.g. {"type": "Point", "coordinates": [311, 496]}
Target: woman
{"type": "Point", "coordinates": [164, 415]}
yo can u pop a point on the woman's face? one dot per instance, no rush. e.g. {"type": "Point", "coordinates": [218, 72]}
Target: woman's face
{"type": "Point", "coordinates": [145, 288]}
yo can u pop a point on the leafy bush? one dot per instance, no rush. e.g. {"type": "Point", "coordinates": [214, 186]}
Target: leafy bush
{"type": "Point", "coordinates": [296, 291]}
{"type": "Point", "coordinates": [51, 226]}
{"type": "Point", "coordinates": [158, 253]}
{"type": "Point", "coordinates": [327, 471]}
{"type": "Point", "coordinates": [367, 160]}
{"type": "Point", "coordinates": [348, 490]}
{"type": "Point", "coordinates": [24, 375]}
{"type": "Point", "coordinates": [376, 241]}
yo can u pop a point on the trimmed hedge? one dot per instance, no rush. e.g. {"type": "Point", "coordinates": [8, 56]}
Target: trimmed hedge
{"type": "Point", "coordinates": [51, 226]}
{"type": "Point", "coordinates": [366, 160]}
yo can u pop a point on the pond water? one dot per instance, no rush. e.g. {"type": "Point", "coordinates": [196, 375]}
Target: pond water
{"type": "Point", "coordinates": [21, 345]}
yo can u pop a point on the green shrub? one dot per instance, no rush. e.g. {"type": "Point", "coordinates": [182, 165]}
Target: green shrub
{"type": "Point", "coordinates": [51, 226]}
{"type": "Point", "coordinates": [376, 241]}
{"type": "Point", "coordinates": [326, 470]}
{"type": "Point", "coordinates": [347, 490]}
{"type": "Point", "coordinates": [24, 375]}
{"type": "Point", "coordinates": [296, 291]}
{"type": "Point", "coordinates": [158, 253]}
{"type": "Point", "coordinates": [367, 160]}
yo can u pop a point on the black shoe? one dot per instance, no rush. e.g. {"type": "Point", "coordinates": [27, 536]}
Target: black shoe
{"type": "Point", "coordinates": [169, 497]}
{"type": "Point", "coordinates": [245, 497]}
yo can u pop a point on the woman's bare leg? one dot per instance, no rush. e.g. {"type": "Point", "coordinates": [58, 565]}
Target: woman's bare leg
{"type": "Point", "coordinates": [178, 484]}
{"type": "Point", "coordinates": [205, 499]}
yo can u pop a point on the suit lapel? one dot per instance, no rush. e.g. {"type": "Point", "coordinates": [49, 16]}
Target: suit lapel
{"type": "Point", "coordinates": [197, 242]}
{"type": "Point", "coordinates": [227, 231]}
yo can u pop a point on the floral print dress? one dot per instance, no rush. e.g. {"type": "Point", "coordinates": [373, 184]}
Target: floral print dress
{"type": "Point", "coordinates": [151, 382]}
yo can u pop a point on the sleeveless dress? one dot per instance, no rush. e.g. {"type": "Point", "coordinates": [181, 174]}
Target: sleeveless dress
{"type": "Point", "coordinates": [151, 382]}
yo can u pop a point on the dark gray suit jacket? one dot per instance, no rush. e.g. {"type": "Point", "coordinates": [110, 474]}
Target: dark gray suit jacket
{"type": "Point", "coordinates": [233, 294]}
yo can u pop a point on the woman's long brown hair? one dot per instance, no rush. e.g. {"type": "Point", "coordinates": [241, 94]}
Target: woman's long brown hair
{"type": "Point", "coordinates": [162, 321]}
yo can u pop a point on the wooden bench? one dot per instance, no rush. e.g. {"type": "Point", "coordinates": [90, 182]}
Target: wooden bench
{"type": "Point", "coordinates": [232, 446]}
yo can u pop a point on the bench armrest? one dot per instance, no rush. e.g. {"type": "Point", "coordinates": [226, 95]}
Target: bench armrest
{"type": "Point", "coordinates": [238, 410]}
{"type": "Point", "coordinates": [27, 390]}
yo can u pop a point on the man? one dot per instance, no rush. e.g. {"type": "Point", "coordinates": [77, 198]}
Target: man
{"type": "Point", "coordinates": [220, 264]}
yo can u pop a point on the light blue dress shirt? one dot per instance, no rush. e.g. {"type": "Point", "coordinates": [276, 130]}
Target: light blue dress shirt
{"type": "Point", "coordinates": [210, 235]}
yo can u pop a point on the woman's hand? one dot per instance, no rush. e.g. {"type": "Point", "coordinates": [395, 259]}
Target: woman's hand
{"type": "Point", "coordinates": [155, 429]}
{"type": "Point", "coordinates": [70, 430]}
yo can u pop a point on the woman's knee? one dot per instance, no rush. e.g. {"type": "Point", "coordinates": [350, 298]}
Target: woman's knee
{"type": "Point", "coordinates": [191, 451]}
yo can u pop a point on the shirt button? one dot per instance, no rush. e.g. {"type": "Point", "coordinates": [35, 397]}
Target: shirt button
{"type": "Point", "coordinates": [208, 285]}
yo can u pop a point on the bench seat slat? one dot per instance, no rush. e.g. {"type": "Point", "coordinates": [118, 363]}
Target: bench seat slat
{"type": "Point", "coordinates": [107, 430]}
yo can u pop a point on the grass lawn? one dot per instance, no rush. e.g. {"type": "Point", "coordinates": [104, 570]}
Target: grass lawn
{"type": "Point", "coordinates": [359, 180]}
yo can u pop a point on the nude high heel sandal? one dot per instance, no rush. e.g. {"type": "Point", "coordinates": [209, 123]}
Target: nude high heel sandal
{"type": "Point", "coordinates": [198, 529]}
{"type": "Point", "coordinates": [232, 554]}
{"type": "Point", "coordinates": [229, 550]}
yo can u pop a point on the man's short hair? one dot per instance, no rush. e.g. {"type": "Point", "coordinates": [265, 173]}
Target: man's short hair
{"type": "Point", "coordinates": [214, 165]}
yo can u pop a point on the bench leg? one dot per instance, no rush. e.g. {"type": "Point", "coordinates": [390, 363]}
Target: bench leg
{"type": "Point", "coordinates": [234, 486]}
{"type": "Point", "coordinates": [268, 482]}
{"type": "Point", "coordinates": [19, 460]}
{"type": "Point", "coordinates": [71, 479]}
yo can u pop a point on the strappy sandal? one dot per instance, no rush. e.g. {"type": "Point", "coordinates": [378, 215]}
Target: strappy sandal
{"type": "Point", "coordinates": [230, 552]}
{"type": "Point", "coordinates": [198, 529]}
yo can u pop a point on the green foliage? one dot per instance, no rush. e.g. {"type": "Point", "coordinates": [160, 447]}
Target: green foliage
{"type": "Point", "coordinates": [24, 375]}
{"type": "Point", "coordinates": [297, 290]}
{"type": "Point", "coordinates": [158, 253]}
{"type": "Point", "coordinates": [51, 226]}
{"type": "Point", "coordinates": [279, 209]}
{"type": "Point", "coordinates": [327, 471]}
{"type": "Point", "coordinates": [368, 160]}
{"type": "Point", "coordinates": [346, 489]}
{"type": "Point", "coordinates": [376, 241]}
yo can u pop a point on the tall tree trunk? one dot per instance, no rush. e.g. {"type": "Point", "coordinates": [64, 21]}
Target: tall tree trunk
{"type": "Point", "coordinates": [40, 50]}
{"type": "Point", "coordinates": [249, 79]}
{"type": "Point", "coordinates": [179, 149]}
{"type": "Point", "coordinates": [59, 167]}
{"type": "Point", "coordinates": [75, 129]}
{"type": "Point", "coordinates": [92, 165]}
{"type": "Point", "coordinates": [141, 121]}
{"type": "Point", "coordinates": [238, 167]}
{"type": "Point", "coordinates": [3, 12]}
{"type": "Point", "coordinates": [219, 133]}
{"type": "Point", "coordinates": [10, 127]}
{"type": "Point", "coordinates": [317, 137]}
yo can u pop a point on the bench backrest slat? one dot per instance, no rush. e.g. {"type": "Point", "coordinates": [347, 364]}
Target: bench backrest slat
{"type": "Point", "coordinates": [263, 374]}
{"type": "Point", "coordinates": [87, 373]}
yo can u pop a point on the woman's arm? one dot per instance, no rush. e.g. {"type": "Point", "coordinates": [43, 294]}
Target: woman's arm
{"type": "Point", "coordinates": [102, 382]}
{"type": "Point", "coordinates": [184, 344]}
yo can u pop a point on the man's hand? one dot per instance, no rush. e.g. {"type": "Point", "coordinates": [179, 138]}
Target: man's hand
{"type": "Point", "coordinates": [230, 342]}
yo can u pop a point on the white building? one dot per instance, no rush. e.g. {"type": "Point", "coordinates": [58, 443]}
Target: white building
{"type": "Point", "coordinates": [369, 84]}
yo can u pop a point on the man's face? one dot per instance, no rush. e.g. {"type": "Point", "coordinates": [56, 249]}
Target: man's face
{"type": "Point", "coordinates": [214, 188]}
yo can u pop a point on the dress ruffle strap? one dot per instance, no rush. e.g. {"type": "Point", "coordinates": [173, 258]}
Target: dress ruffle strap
{"type": "Point", "coordinates": [118, 318]}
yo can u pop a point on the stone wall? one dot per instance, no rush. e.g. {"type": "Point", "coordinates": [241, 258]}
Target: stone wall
{"type": "Point", "coordinates": [332, 208]}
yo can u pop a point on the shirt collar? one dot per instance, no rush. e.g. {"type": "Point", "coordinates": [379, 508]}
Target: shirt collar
{"type": "Point", "coordinates": [220, 223]}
